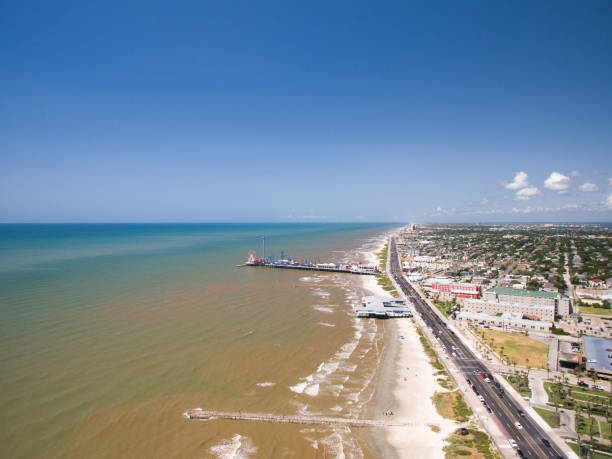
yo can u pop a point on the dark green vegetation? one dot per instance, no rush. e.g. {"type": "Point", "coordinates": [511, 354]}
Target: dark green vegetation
{"type": "Point", "coordinates": [579, 399]}
{"type": "Point", "coordinates": [445, 307]}
{"type": "Point", "coordinates": [520, 381]}
{"type": "Point", "coordinates": [558, 331]}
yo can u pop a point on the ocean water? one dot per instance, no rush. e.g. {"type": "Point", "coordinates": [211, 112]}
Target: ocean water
{"type": "Point", "coordinates": [109, 332]}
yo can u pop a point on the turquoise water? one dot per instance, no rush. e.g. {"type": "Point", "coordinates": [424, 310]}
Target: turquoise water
{"type": "Point", "coordinates": [100, 321]}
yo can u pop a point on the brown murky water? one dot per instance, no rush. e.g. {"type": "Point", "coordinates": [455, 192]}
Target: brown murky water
{"type": "Point", "coordinates": [108, 373]}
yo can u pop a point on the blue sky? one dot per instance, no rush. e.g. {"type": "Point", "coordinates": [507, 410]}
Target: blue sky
{"type": "Point", "coordinates": [306, 111]}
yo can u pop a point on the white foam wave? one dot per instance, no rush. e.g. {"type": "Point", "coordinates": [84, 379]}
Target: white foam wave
{"type": "Point", "coordinates": [238, 448]}
{"type": "Point", "coordinates": [312, 390]}
{"type": "Point", "coordinates": [325, 324]}
{"type": "Point", "coordinates": [299, 387]}
{"type": "Point", "coordinates": [324, 309]}
{"type": "Point", "coordinates": [266, 384]}
{"type": "Point", "coordinates": [321, 293]}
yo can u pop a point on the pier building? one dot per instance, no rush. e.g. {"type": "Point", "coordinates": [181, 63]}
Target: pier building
{"type": "Point", "coordinates": [382, 307]}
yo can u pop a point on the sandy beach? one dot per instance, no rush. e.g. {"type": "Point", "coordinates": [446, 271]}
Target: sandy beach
{"type": "Point", "coordinates": [405, 383]}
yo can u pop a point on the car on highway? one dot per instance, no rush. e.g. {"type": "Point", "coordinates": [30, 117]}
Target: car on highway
{"type": "Point", "coordinates": [582, 384]}
{"type": "Point", "coordinates": [597, 387]}
{"type": "Point", "coordinates": [513, 443]}
{"type": "Point", "coordinates": [487, 380]}
{"type": "Point", "coordinates": [546, 442]}
{"type": "Point", "coordinates": [481, 398]}
{"type": "Point", "coordinates": [518, 425]}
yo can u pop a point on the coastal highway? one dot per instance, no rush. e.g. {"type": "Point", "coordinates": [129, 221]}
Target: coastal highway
{"type": "Point", "coordinates": [531, 440]}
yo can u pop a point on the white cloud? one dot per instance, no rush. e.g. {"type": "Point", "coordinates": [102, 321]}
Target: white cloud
{"type": "Point", "coordinates": [609, 201]}
{"type": "Point", "coordinates": [520, 181]}
{"type": "Point", "coordinates": [557, 182]}
{"type": "Point", "coordinates": [484, 201]}
{"type": "Point", "coordinates": [575, 174]}
{"type": "Point", "coordinates": [438, 209]}
{"type": "Point", "coordinates": [526, 210]}
{"type": "Point", "coordinates": [610, 181]}
{"type": "Point", "coordinates": [526, 193]}
{"type": "Point", "coordinates": [588, 186]}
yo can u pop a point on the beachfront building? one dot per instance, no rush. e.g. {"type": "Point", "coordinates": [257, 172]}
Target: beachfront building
{"type": "Point", "coordinates": [449, 287]}
{"type": "Point", "coordinates": [506, 320]}
{"type": "Point", "coordinates": [561, 303]}
{"type": "Point", "coordinates": [544, 312]}
{"type": "Point", "coordinates": [382, 307]}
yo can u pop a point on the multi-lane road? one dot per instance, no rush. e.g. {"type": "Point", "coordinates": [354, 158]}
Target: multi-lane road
{"type": "Point", "coordinates": [531, 441]}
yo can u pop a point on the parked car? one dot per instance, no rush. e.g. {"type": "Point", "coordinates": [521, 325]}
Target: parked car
{"type": "Point", "coordinates": [546, 442]}
{"type": "Point", "coordinates": [582, 384]}
{"type": "Point", "coordinates": [518, 425]}
{"type": "Point", "coordinates": [513, 443]}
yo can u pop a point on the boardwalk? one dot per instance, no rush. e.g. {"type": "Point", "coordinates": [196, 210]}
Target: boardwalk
{"type": "Point", "coordinates": [204, 415]}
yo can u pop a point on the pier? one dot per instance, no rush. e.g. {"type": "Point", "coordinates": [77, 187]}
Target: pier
{"type": "Point", "coordinates": [286, 262]}
{"type": "Point", "coordinates": [337, 269]}
{"type": "Point", "coordinates": [205, 415]}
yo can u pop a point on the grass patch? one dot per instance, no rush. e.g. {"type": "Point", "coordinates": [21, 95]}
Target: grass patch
{"type": "Point", "coordinates": [475, 444]}
{"type": "Point", "coordinates": [387, 285]}
{"type": "Point", "coordinates": [451, 406]}
{"type": "Point", "coordinates": [550, 417]}
{"type": "Point", "coordinates": [517, 347]}
{"type": "Point", "coordinates": [605, 429]}
{"type": "Point", "coordinates": [382, 257]}
{"type": "Point", "coordinates": [434, 428]}
{"type": "Point", "coordinates": [596, 311]}
{"type": "Point", "coordinates": [587, 425]}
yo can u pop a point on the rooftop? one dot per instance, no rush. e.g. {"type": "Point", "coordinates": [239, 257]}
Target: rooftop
{"type": "Point", "coordinates": [596, 349]}
{"type": "Point", "coordinates": [533, 293]}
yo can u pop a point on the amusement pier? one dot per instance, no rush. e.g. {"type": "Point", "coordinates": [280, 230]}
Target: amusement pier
{"type": "Point", "coordinates": [309, 265]}
{"type": "Point", "coordinates": [206, 415]}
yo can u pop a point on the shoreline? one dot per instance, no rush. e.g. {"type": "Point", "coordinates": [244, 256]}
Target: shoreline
{"type": "Point", "coordinates": [404, 382]}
